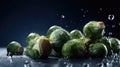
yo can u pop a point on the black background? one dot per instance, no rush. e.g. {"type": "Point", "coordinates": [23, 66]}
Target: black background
{"type": "Point", "coordinates": [19, 18]}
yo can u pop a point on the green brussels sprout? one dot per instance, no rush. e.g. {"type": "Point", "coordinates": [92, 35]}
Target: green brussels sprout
{"type": "Point", "coordinates": [14, 48]}
{"type": "Point", "coordinates": [98, 50]}
{"type": "Point", "coordinates": [51, 29]}
{"type": "Point", "coordinates": [94, 30]}
{"type": "Point", "coordinates": [74, 49]}
{"type": "Point", "coordinates": [86, 42]}
{"type": "Point", "coordinates": [58, 38]}
{"type": "Point", "coordinates": [76, 34]}
{"type": "Point", "coordinates": [106, 42]}
{"type": "Point", "coordinates": [31, 39]}
{"type": "Point", "coordinates": [41, 49]}
{"type": "Point", "coordinates": [115, 45]}
{"type": "Point", "coordinates": [33, 53]}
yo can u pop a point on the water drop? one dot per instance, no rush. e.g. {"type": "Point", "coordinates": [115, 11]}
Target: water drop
{"type": "Point", "coordinates": [69, 65]}
{"type": "Point", "coordinates": [66, 26]}
{"type": "Point", "coordinates": [10, 59]}
{"type": "Point", "coordinates": [110, 33]}
{"type": "Point", "coordinates": [62, 16]}
{"type": "Point", "coordinates": [26, 64]}
{"type": "Point", "coordinates": [100, 9]}
{"type": "Point", "coordinates": [111, 17]}
{"type": "Point", "coordinates": [86, 10]}
{"type": "Point", "coordinates": [81, 9]}
{"type": "Point", "coordinates": [113, 26]}
{"type": "Point", "coordinates": [100, 65]}
{"type": "Point", "coordinates": [83, 15]}
{"type": "Point", "coordinates": [86, 65]}
{"type": "Point", "coordinates": [108, 64]}
{"type": "Point", "coordinates": [119, 24]}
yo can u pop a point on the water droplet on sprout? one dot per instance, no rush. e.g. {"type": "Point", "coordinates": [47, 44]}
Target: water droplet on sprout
{"type": "Point", "coordinates": [111, 17]}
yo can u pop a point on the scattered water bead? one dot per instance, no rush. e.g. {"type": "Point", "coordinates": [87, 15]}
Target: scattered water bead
{"type": "Point", "coordinates": [83, 15]}
{"type": "Point", "coordinates": [113, 26]}
{"type": "Point", "coordinates": [110, 33]}
{"type": "Point", "coordinates": [81, 9]}
{"type": "Point", "coordinates": [100, 9]}
{"type": "Point", "coordinates": [111, 17]}
{"type": "Point", "coordinates": [119, 24]}
{"type": "Point", "coordinates": [63, 16]}
{"type": "Point", "coordinates": [69, 65]}
{"type": "Point", "coordinates": [86, 65]}
{"type": "Point", "coordinates": [100, 65]}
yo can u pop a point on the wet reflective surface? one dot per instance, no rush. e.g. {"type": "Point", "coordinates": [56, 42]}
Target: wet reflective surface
{"type": "Point", "coordinates": [24, 61]}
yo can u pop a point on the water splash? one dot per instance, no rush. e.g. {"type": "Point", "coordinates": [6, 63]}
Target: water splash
{"type": "Point", "coordinates": [27, 64]}
{"type": "Point", "coordinates": [10, 59]}
{"type": "Point", "coordinates": [69, 65]}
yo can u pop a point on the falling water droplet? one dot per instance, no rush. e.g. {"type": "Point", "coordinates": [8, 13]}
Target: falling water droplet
{"type": "Point", "coordinates": [113, 26]}
{"type": "Point", "coordinates": [100, 9]}
{"type": "Point", "coordinates": [111, 17]}
{"type": "Point", "coordinates": [66, 26]}
{"type": "Point", "coordinates": [63, 16]}
{"type": "Point", "coordinates": [110, 33]}
{"type": "Point", "coordinates": [83, 15]}
{"type": "Point", "coordinates": [119, 24]}
{"type": "Point", "coordinates": [81, 9]}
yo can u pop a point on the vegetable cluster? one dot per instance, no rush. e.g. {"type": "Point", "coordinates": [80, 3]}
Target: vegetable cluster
{"type": "Point", "coordinates": [59, 42]}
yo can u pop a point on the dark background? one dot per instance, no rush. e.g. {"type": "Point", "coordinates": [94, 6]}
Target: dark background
{"type": "Point", "coordinates": [19, 18]}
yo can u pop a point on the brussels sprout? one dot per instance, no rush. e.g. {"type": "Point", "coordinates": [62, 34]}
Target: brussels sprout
{"type": "Point", "coordinates": [76, 34]}
{"type": "Point", "coordinates": [86, 42]}
{"type": "Point", "coordinates": [74, 49]}
{"type": "Point", "coordinates": [115, 45]}
{"type": "Point", "coordinates": [98, 50]}
{"type": "Point", "coordinates": [106, 42]}
{"type": "Point", "coordinates": [41, 49]}
{"type": "Point", "coordinates": [51, 29]}
{"type": "Point", "coordinates": [33, 53]}
{"type": "Point", "coordinates": [94, 30]}
{"type": "Point", "coordinates": [58, 38]}
{"type": "Point", "coordinates": [31, 39]}
{"type": "Point", "coordinates": [14, 48]}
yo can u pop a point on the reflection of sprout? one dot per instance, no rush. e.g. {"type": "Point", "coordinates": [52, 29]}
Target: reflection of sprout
{"type": "Point", "coordinates": [14, 48]}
